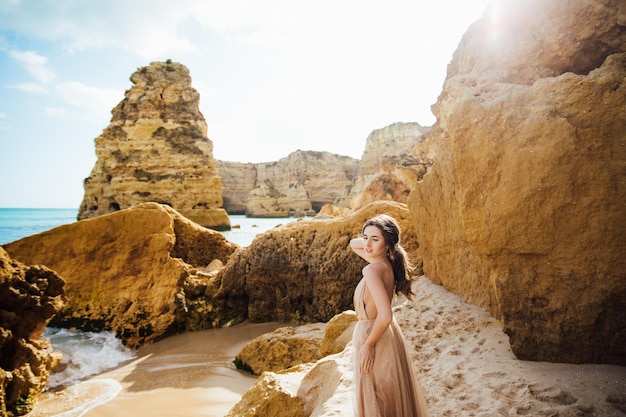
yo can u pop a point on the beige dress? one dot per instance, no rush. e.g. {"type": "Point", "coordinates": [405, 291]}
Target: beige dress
{"type": "Point", "coordinates": [390, 388]}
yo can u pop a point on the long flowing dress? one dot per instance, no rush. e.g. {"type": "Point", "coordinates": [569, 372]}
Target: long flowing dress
{"type": "Point", "coordinates": [390, 388]}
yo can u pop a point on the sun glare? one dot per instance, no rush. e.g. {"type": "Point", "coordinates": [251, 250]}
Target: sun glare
{"type": "Point", "coordinates": [494, 20]}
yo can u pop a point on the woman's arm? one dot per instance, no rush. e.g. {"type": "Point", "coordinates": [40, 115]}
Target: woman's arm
{"type": "Point", "coordinates": [384, 316]}
{"type": "Point", "coordinates": [358, 246]}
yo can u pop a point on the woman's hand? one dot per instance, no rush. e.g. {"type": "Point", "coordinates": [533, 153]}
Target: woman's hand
{"type": "Point", "coordinates": [367, 354]}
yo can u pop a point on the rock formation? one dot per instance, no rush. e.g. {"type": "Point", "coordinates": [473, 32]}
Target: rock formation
{"type": "Point", "coordinates": [29, 297]}
{"type": "Point", "coordinates": [156, 150]}
{"type": "Point", "coordinates": [302, 272]}
{"type": "Point", "coordinates": [301, 391]}
{"type": "Point", "coordinates": [303, 181]}
{"type": "Point", "coordinates": [238, 179]}
{"type": "Point", "coordinates": [141, 272]}
{"type": "Point", "coordinates": [290, 346]}
{"type": "Point", "coordinates": [523, 210]}
{"type": "Point", "coordinates": [394, 160]}
{"type": "Point", "coordinates": [281, 349]}
{"type": "Point", "coordinates": [148, 272]}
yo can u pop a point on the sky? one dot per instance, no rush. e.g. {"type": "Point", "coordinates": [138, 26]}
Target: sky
{"type": "Point", "coordinates": [274, 76]}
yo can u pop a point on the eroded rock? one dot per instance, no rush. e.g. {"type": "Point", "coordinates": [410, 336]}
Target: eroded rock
{"type": "Point", "coordinates": [395, 158]}
{"type": "Point", "coordinates": [138, 272]}
{"type": "Point", "coordinates": [302, 272]}
{"type": "Point", "coordinates": [29, 297]}
{"type": "Point", "coordinates": [303, 181]}
{"type": "Point", "coordinates": [156, 149]}
{"type": "Point", "coordinates": [522, 212]}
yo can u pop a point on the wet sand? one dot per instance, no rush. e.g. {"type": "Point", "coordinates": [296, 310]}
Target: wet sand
{"type": "Point", "coordinates": [185, 375]}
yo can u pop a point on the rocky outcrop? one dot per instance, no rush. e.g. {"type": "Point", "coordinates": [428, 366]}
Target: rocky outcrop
{"type": "Point", "coordinates": [395, 158]}
{"type": "Point", "coordinates": [156, 149]}
{"type": "Point", "coordinates": [148, 272]}
{"type": "Point", "coordinates": [291, 346]}
{"type": "Point", "coordinates": [338, 333]}
{"type": "Point", "coordinates": [142, 272]}
{"type": "Point", "coordinates": [29, 297]}
{"type": "Point", "coordinates": [522, 212]}
{"type": "Point", "coordinates": [301, 391]}
{"type": "Point", "coordinates": [281, 349]}
{"type": "Point", "coordinates": [303, 181]}
{"type": "Point", "coordinates": [302, 272]}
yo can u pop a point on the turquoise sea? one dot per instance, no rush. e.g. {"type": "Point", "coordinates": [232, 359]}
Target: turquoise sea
{"type": "Point", "coordinates": [16, 223]}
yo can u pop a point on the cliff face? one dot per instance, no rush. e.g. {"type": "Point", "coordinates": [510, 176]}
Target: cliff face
{"type": "Point", "coordinates": [156, 150]}
{"type": "Point", "coordinates": [29, 297]}
{"type": "Point", "coordinates": [303, 182]}
{"type": "Point", "coordinates": [394, 160]}
{"type": "Point", "coordinates": [523, 210]}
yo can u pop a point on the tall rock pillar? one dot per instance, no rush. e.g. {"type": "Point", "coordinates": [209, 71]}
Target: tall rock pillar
{"type": "Point", "coordinates": [156, 149]}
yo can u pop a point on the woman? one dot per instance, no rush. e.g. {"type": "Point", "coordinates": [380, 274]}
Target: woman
{"type": "Point", "coordinates": [384, 379]}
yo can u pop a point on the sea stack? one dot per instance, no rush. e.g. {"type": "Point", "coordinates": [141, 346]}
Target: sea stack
{"type": "Point", "coordinates": [156, 149]}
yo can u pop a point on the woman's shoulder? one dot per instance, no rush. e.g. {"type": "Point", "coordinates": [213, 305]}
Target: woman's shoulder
{"type": "Point", "coordinates": [377, 270]}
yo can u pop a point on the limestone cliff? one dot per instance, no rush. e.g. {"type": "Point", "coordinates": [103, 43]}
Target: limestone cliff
{"type": "Point", "coordinates": [394, 160]}
{"type": "Point", "coordinates": [141, 272]}
{"type": "Point", "coordinates": [301, 182]}
{"type": "Point", "coordinates": [29, 297]}
{"type": "Point", "coordinates": [156, 149]}
{"type": "Point", "coordinates": [523, 210]}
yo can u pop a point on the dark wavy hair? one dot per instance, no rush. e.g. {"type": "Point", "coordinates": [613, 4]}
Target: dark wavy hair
{"type": "Point", "coordinates": [399, 259]}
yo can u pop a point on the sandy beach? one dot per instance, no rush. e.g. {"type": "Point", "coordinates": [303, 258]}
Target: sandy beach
{"type": "Point", "coordinates": [185, 375]}
{"type": "Point", "coordinates": [461, 354]}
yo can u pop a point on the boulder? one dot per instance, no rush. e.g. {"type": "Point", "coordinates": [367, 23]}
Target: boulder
{"type": "Point", "coordinates": [141, 272]}
{"type": "Point", "coordinates": [522, 211]}
{"type": "Point", "coordinates": [156, 149]}
{"type": "Point", "coordinates": [291, 346]}
{"type": "Point", "coordinates": [272, 395]}
{"type": "Point", "coordinates": [338, 333]}
{"type": "Point", "coordinates": [281, 349]}
{"type": "Point", "coordinates": [311, 389]}
{"type": "Point", "coordinates": [29, 297]}
{"type": "Point", "coordinates": [302, 272]}
{"type": "Point", "coordinates": [330, 211]}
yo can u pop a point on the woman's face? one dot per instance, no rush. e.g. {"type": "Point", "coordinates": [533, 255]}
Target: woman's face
{"type": "Point", "coordinates": [375, 244]}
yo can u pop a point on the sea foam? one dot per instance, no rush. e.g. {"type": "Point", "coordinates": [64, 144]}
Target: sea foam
{"type": "Point", "coordinates": [84, 354]}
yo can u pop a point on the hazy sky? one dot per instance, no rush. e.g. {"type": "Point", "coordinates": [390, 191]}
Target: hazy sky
{"type": "Point", "coordinates": [274, 76]}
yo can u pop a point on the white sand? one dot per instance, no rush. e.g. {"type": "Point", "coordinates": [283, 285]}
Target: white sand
{"type": "Point", "coordinates": [462, 356]}
{"type": "Point", "coordinates": [467, 368]}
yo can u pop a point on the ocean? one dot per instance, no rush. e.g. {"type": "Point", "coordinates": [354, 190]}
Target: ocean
{"type": "Point", "coordinates": [86, 354]}
{"type": "Point", "coordinates": [16, 223]}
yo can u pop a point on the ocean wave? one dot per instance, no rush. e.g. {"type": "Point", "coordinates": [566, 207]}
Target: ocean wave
{"type": "Point", "coordinates": [84, 354]}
